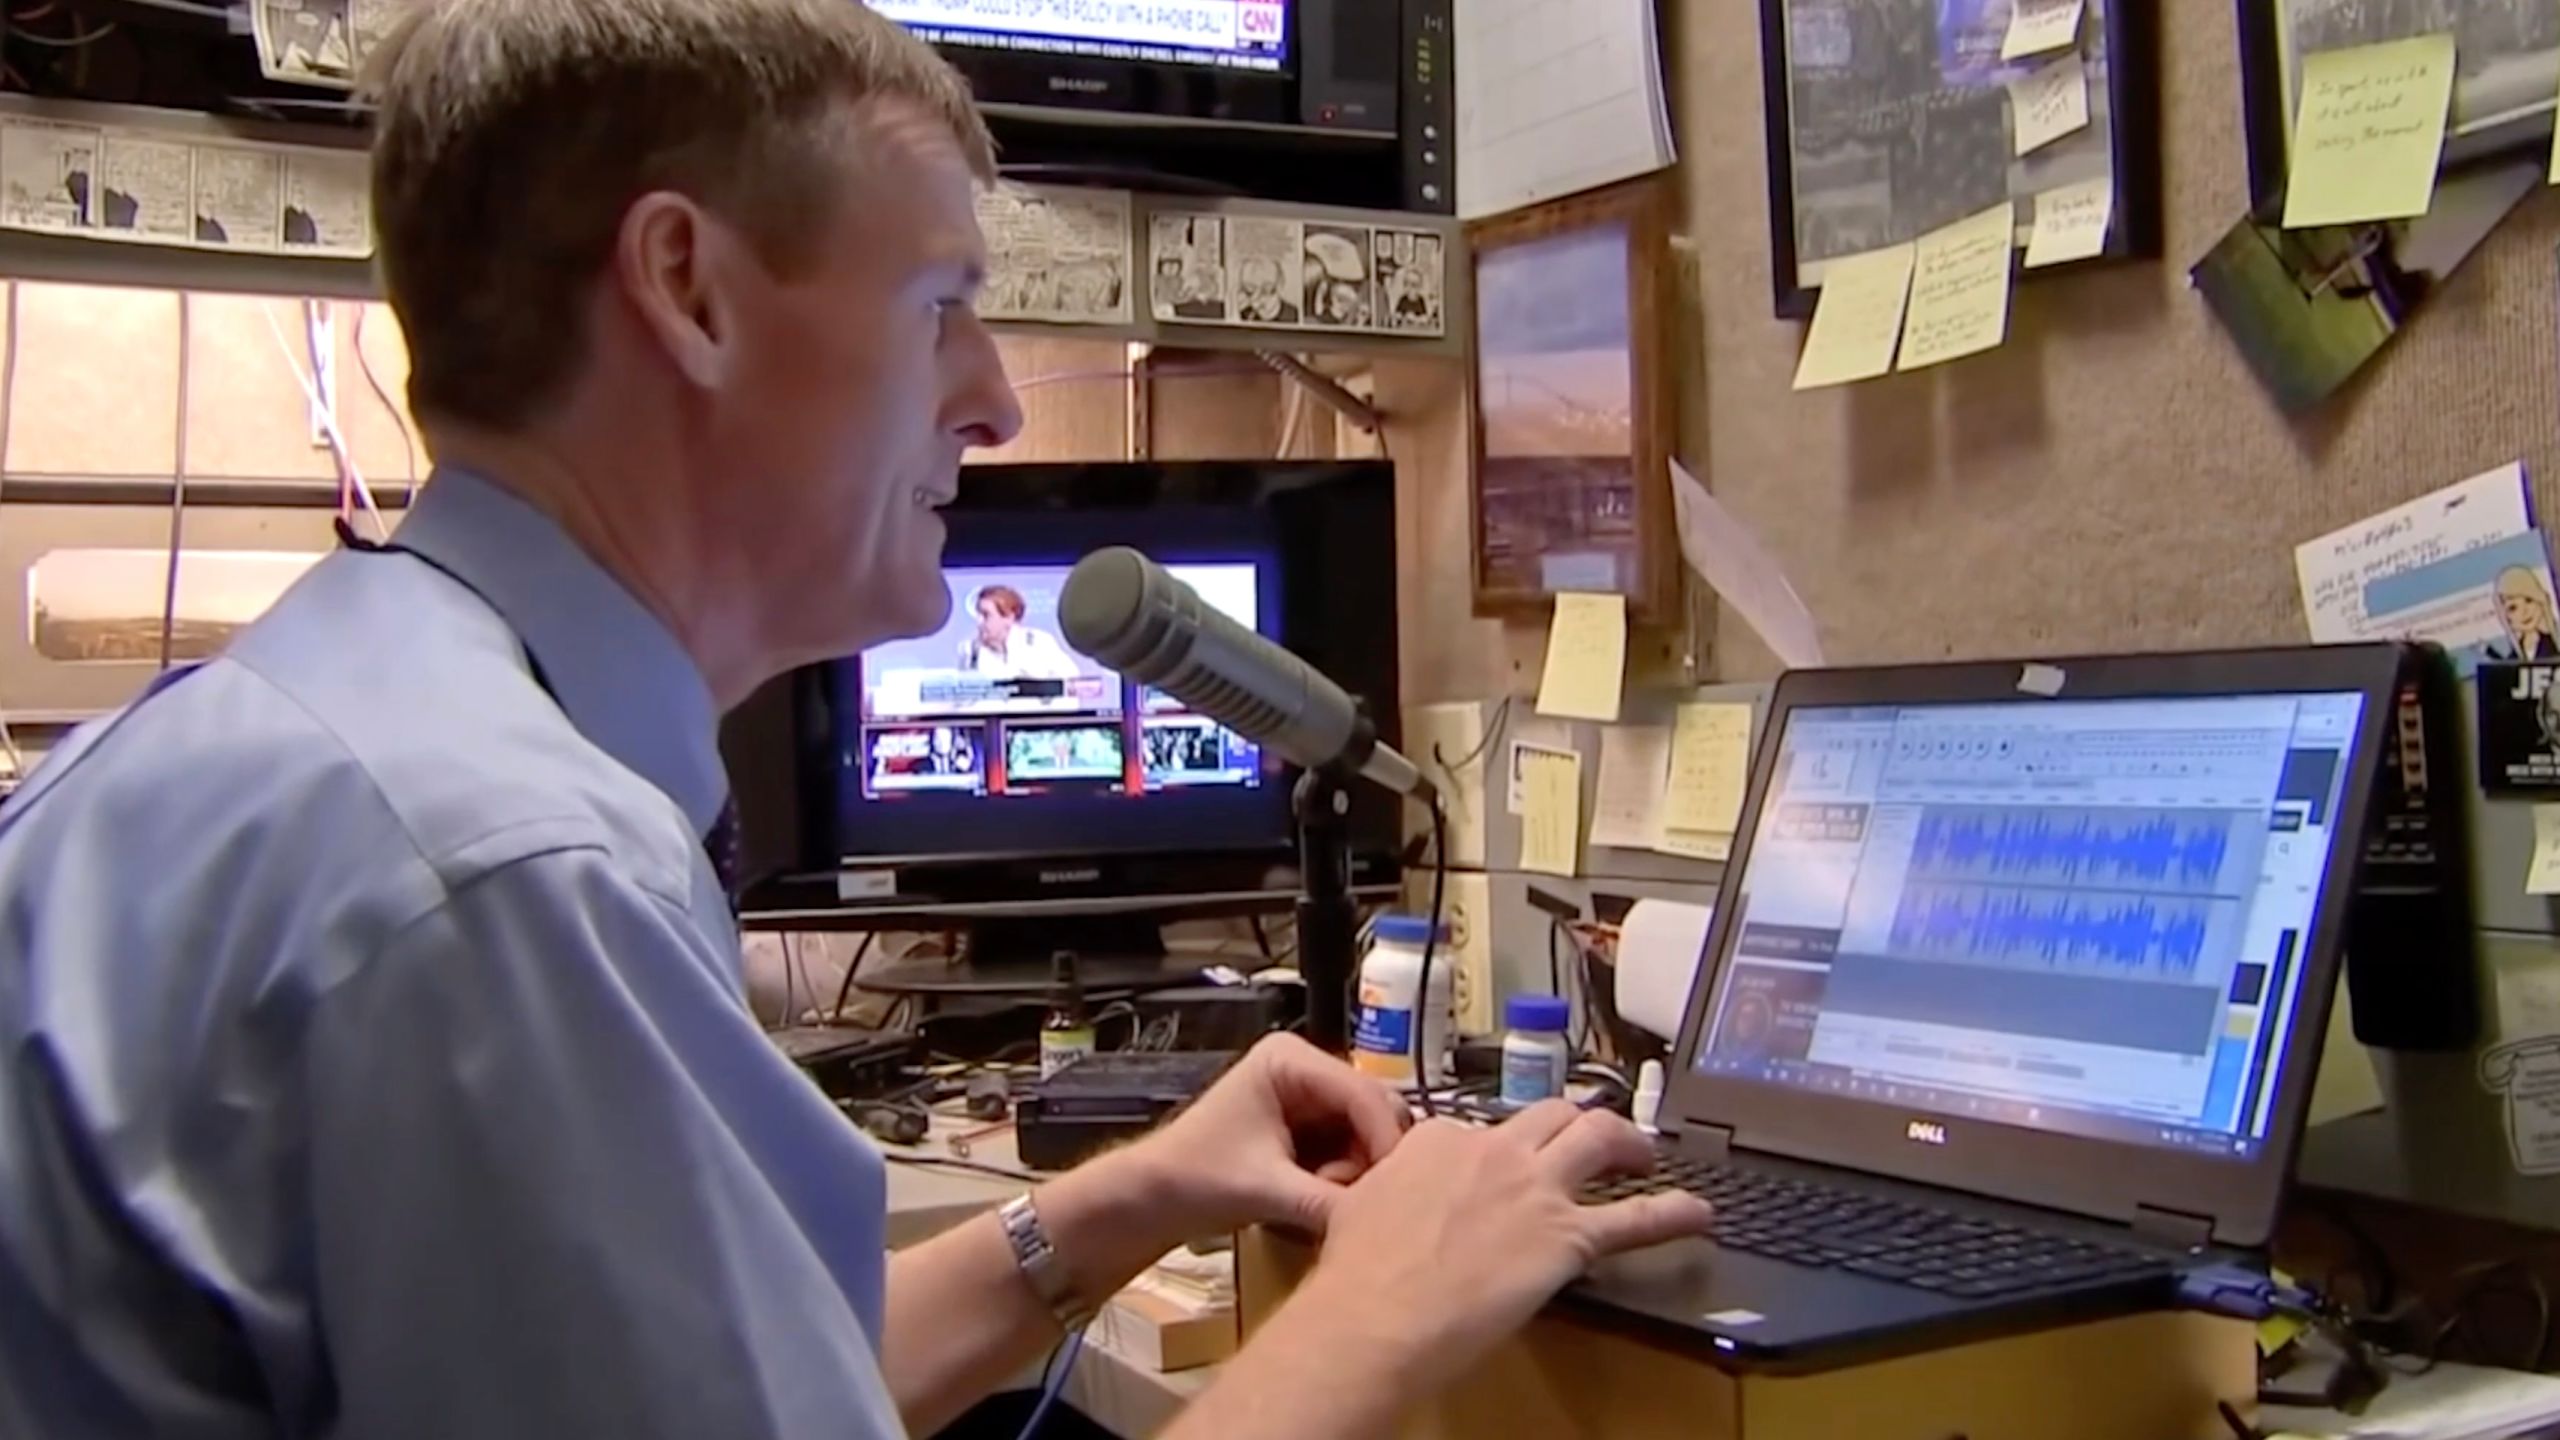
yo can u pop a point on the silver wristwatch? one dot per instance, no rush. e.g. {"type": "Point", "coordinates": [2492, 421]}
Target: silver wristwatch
{"type": "Point", "coordinates": [1039, 1263]}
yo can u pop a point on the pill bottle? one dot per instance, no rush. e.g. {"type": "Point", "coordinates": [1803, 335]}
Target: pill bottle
{"type": "Point", "coordinates": [1535, 1054]}
{"type": "Point", "coordinates": [1390, 978]}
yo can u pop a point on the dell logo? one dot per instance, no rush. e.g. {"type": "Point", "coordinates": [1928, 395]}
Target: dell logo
{"type": "Point", "coordinates": [1925, 1132]}
{"type": "Point", "coordinates": [1069, 877]}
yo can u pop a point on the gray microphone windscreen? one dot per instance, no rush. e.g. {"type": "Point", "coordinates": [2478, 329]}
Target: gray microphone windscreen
{"type": "Point", "coordinates": [1134, 616]}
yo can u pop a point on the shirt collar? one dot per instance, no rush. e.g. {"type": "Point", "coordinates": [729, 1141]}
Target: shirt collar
{"type": "Point", "coordinates": [617, 671]}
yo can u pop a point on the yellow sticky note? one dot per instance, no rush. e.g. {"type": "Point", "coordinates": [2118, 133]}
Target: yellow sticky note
{"type": "Point", "coordinates": [2036, 26]}
{"type": "Point", "coordinates": [1551, 812]}
{"type": "Point", "coordinates": [1586, 658]}
{"type": "Point", "coordinates": [1695, 844]}
{"type": "Point", "coordinates": [1959, 290]}
{"type": "Point", "coordinates": [1858, 319]}
{"type": "Point", "coordinates": [2049, 102]}
{"type": "Point", "coordinates": [2282, 1329]}
{"type": "Point", "coordinates": [1710, 768]}
{"type": "Point", "coordinates": [2555, 154]}
{"type": "Point", "coordinates": [2543, 878]}
{"type": "Point", "coordinates": [2369, 132]}
{"type": "Point", "coordinates": [2071, 222]}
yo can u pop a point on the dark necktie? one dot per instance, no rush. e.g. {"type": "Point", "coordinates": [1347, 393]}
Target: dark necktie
{"type": "Point", "coordinates": [721, 844]}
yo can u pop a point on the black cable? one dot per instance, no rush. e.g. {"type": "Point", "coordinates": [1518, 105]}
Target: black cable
{"type": "Point", "coordinates": [1555, 957]}
{"type": "Point", "coordinates": [1262, 939]}
{"type": "Point", "coordinates": [835, 1016]}
{"type": "Point", "coordinates": [1423, 1009]}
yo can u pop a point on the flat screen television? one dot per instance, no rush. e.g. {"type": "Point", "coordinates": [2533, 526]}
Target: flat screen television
{"type": "Point", "coordinates": [988, 772]}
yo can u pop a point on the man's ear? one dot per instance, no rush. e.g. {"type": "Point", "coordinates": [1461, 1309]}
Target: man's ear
{"type": "Point", "coordinates": [677, 265]}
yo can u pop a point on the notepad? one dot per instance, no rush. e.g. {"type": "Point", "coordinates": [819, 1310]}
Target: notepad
{"type": "Point", "coordinates": [2369, 131]}
{"type": "Point", "coordinates": [2036, 26]}
{"type": "Point", "coordinates": [1551, 812]}
{"type": "Point", "coordinates": [1586, 658]}
{"type": "Point", "coordinates": [1959, 290]}
{"type": "Point", "coordinates": [1710, 766]}
{"type": "Point", "coordinates": [1858, 320]}
{"type": "Point", "coordinates": [2071, 222]}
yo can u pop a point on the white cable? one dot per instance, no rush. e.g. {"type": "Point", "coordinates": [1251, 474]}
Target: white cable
{"type": "Point", "coordinates": [328, 424]}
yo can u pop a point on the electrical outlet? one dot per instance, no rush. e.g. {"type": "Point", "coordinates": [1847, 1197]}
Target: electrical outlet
{"type": "Point", "coordinates": [1470, 918]}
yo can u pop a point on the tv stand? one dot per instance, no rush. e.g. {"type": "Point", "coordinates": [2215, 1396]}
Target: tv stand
{"type": "Point", "coordinates": [1116, 954]}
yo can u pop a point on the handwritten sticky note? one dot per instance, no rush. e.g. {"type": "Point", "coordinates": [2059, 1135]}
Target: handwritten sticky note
{"type": "Point", "coordinates": [1710, 766]}
{"type": "Point", "coordinates": [1858, 320]}
{"type": "Point", "coordinates": [2369, 132]}
{"type": "Point", "coordinates": [2036, 26]}
{"type": "Point", "coordinates": [1551, 818]}
{"type": "Point", "coordinates": [1959, 290]}
{"type": "Point", "coordinates": [1586, 658]}
{"type": "Point", "coordinates": [2049, 102]}
{"type": "Point", "coordinates": [2543, 877]}
{"type": "Point", "coordinates": [2071, 222]}
{"type": "Point", "coordinates": [1626, 808]}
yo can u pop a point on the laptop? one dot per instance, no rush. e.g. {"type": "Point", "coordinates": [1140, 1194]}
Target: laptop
{"type": "Point", "coordinates": [2012, 1000]}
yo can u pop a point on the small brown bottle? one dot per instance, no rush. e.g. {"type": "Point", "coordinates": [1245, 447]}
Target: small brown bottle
{"type": "Point", "coordinates": [1066, 1032]}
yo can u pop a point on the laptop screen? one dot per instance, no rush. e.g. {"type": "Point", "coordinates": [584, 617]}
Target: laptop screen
{"type": "Point", "coordinates": [2083, 916]}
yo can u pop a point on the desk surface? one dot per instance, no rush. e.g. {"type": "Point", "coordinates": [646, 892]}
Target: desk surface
{"type": "Point", "coordinates": [925, 1199]}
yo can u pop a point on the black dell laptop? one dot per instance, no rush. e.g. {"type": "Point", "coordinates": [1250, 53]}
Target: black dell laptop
{"type": "Point", "coordinates": [2013, 997]}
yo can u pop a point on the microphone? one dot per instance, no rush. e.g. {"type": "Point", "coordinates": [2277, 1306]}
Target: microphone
{"type": "Point", "coordinates": [1129, 613]}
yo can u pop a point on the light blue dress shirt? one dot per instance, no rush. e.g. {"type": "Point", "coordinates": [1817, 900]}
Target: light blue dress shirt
{"type": "Point", "coordinates": [374, 1060]}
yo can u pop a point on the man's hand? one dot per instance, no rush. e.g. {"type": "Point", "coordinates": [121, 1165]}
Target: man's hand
{"type": "Point", "coordinates": [1458, 1238]}
{"type": "Point", "coordinates": [1274, 1142]}
{"type": "Point", "coordinates": [1450, 1244]}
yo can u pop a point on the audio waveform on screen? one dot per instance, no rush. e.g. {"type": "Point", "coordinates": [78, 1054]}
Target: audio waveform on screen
{"type": "Point", "coordinates": [2137, 936]}
{"type": "Point", "coordinates": [2183, 851]}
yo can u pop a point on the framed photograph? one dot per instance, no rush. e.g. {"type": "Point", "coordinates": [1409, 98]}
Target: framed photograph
{"type": "Point", "coordinates": [1890, 118]}
{"type": "Point", "coordinates": [1572, 490]}
{"type": "Point", "coordinates": [88, 578]}
{"type": "Point", "coordinates": [2505, 82]}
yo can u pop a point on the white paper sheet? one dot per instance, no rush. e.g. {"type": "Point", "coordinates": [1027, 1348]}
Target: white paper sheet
{"type": "Point", "coordinates": [1627, 812]}
{"type": "Point", "coordinates": [1556, 97]}
{"type": "Point", "coordinates": [2334, 569]}
{"type": "Point", "coordinates": [1730, 558]}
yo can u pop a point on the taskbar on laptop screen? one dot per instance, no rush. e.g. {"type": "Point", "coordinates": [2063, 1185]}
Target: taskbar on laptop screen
{"type": "Point", "coordinates": [2080, 916]}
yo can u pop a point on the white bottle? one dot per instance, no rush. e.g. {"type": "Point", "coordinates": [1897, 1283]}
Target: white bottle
{"type": "Point", "coordinates": [1536, 1056]}
{"type": "Point", "coordinates": [1390, 979]}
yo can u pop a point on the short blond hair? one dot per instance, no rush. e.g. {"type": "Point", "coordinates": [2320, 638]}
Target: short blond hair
{"type": "Point", "coordinates": [514, 135]}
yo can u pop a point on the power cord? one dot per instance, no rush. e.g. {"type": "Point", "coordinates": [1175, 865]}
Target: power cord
{"type": "Point", "coordinates": [1423, 1009]}
{"type": "Point", "coordinates": [1053, 1380]}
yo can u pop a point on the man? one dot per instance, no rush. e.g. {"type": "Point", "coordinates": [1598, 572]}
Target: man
{"type": "Point", "coordinates": [1004, 648]}
{"type": "Point", "coordinates": [376, 1063]}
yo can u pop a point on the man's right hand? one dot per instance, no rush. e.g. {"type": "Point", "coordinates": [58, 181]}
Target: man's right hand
{"type": "Point", "coordinates": [1459, 1236]}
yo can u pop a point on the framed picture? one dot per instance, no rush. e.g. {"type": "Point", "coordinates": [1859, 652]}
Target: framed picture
{"type": "Point", "coordinates": [1890, 118]}
{"type": "Point", "coordinates": [1572, 405]}
{"type": "Point", "coordinates": [88, 579]}
{"type": "Point", "coordinates": [2506, 72]}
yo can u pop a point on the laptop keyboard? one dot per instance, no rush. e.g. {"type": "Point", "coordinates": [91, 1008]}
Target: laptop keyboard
{"type": "Point", "coordinates": [1786, 1218]}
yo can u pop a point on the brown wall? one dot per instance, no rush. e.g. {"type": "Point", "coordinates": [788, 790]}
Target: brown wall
{"type": "Point", "coordinates": [2113, 478]}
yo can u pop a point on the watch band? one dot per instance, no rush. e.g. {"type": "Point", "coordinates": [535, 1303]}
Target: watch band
{"type": "Point", "coordinates": [1039, 1263]}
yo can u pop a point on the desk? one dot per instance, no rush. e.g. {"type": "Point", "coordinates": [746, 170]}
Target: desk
{"type": "Point", "coordinates": [1127, 1399]}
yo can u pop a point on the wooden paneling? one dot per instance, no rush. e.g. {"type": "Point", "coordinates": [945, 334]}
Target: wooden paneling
{"type": "Point", "coordinates": [96, 389]}
{"type": "Point", "coordinates": [1075, 400]}
{"type": "Point", "coordinates": [247, 416]}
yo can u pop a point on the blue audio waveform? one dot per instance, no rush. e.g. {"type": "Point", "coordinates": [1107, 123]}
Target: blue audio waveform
{"type": "Point", "coordinates": [2122, 933]}
{"type": "Point", "coordinates": [2134, 848]}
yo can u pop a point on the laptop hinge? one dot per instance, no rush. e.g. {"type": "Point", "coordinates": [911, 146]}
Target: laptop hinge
{"type": "Point", "coordinates": [2173, 1227]}
{"type": "Point", "coordinates": [1711, 1143]}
